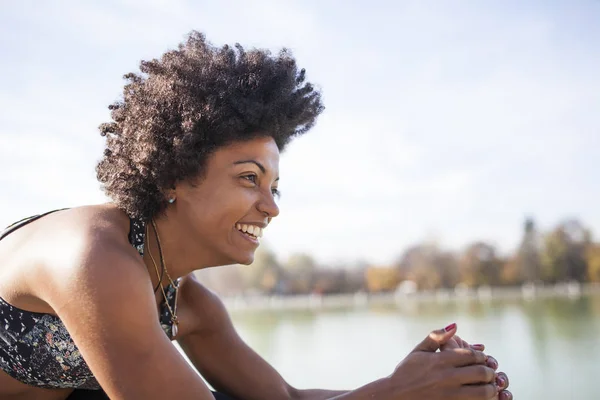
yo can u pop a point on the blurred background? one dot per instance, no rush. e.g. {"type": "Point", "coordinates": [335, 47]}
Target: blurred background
{"type": "Point", "coordinates": [452, 178]}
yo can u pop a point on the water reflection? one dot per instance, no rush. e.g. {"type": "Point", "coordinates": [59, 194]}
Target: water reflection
{"type": "Point", "coordinates": [549, 347]}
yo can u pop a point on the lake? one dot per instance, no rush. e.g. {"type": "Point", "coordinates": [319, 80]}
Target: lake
{"type": "Point", "coordinates": [550, 348]}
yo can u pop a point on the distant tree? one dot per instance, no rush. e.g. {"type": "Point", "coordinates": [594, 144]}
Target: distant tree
{"type": "Point", "coordinates": [592, 257]}
{"type": "Point", "coordinates": [381, 278]}
{"type": "Point", "coordinates": [264, 274]}
{"type": "Point", "coordinates": [427, 266]}
{"type": "Point", "coordinates": [511, 273]}
{"type": "Point", "coordinates": [354, 278]}
{"type": "Point", "coordinates": [447, 264]}
{"type": "Point", "coordinates": [300, 270]}
{"type": "Point", "coordinates": [528, 254]}
{"type": "Point", "coordinates": [564, 253]}
{"type": "Point", "coordinates": [479, 265]}
{"type": "Point", "coordinates": [336, 280]}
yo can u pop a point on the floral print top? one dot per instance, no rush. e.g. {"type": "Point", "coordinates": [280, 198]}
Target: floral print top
{"type": "Point", "coordinates": [36, 348]}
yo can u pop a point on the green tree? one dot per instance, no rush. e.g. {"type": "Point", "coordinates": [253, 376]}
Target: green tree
{"type": "Point", "coordinates": [480, 266]}
{"type": "Point", "coordinates": [528, 255]}
{"type": "Point", "coordinates": [564, 253]}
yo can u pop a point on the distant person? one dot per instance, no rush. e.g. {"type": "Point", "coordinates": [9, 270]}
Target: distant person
{"type": "Point", "coordinates": [91, 297]}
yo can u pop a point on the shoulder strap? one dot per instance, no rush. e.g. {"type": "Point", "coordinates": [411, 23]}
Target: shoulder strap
{"type": "Point", "coordinates": [14, 226]}
{"type": "Point", "coordinates": [137, 234]}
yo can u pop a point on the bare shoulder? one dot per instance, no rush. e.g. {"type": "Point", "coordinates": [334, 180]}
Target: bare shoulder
{"type": "Point", "coordinates": [44, 260]}
{"type": "Point", "coordinates": [68, 232]}
{"type": "Point", "coordinates": [86, 251]}
{"type": "Point", "coordinates": [99, 232]}
{"type": "Point", "coordinates": [85, 229]}
{"type": "Point", "coordinates": [107, 304]}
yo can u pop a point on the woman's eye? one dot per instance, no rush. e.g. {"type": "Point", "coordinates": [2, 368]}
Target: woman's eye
{"type": "Point", "coordinates": [251, 178]}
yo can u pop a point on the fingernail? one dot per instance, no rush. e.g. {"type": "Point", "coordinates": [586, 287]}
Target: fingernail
{"type": "Point", "coordinates": [450, 327]}
{"type": "Point", "coordinates": [478, 345]}
{"type": "Point", "coordinates": [501, 382]}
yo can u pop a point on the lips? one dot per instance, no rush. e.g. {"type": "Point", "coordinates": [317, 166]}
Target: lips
{"type": "Point", "coordinates": [249, 238]}
{"type": "Point", "coordinates": [253, 231]}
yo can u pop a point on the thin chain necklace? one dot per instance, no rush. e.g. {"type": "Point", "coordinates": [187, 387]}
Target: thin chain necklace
{"type": "Point", "coordinates": [173, 310]}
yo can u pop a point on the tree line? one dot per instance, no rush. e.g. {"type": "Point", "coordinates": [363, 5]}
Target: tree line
{"type": "Point", "coordinates": [567, 253]}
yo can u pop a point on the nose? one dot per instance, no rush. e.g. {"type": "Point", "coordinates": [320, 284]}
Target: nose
{"type": "Point", "coordinates": [268, 206]}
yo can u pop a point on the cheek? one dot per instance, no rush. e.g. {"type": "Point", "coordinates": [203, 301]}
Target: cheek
{"type": "Point", "coordinates": [219, 211]}
{"type": "Point", "coordinates": [220, 217]}
{"type": "Point", "coordinates": [235, 206]}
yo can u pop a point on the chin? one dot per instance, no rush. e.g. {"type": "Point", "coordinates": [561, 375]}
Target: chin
{"type": "Point", "coordinates": [249, 259]}
{"type": "Point", "coordinates": [239, 258]}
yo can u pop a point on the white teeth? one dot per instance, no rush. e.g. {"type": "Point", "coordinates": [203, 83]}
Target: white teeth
{"type": "Point", "coordinates": [250, 229]}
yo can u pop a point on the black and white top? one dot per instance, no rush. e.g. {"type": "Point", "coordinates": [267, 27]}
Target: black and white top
{"type": "Point", "coordinates": [37, 349]}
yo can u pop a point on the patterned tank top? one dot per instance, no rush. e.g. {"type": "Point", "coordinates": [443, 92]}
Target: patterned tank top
{"type": "Point", "coordinates": [37, 349]}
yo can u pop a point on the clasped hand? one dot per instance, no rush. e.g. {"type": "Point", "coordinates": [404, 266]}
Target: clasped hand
{"type": "Point", "coordinates": [458, 371]}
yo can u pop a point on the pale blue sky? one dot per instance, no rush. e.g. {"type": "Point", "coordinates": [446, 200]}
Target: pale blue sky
{"type": "Point", "coordinates": [446, 120]}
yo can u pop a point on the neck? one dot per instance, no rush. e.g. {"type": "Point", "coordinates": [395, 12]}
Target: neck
{"type": "Point", "coordinates": [181, 255]}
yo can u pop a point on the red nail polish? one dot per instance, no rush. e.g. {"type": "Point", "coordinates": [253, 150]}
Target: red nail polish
{"type": "Point", "coordinates": [450, 327]}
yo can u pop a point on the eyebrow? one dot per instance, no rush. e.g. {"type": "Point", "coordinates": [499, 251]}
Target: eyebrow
{"type": "Point", "coordinates": [259, 165]}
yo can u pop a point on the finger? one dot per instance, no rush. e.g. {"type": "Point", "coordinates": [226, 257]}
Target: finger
{"type": "Point", "coordinates": [452, 343]}
{"type": "Point", "coordinates": [477, 392]}
{"type": "Point", "coordinates": [479, 347]}
{"type": "Point", "coordinates": [436, 339]}
{"type": "Point", "coordinates": [502, 380]}
{"type": "Point", "coordinates": [463, 357]}
{"type": "Point", "coordinates": [458, 340]}
{"type": "Point", "coordinates": [474, 374]}
{"type": "Point", "coordinates": [505, 395]}
{"type": "Point", "coordinates": [464, 344]}
{"type": "Point", "coordinates": [492, 363]}
{"type": "Point", "coordinates": [461, 343]}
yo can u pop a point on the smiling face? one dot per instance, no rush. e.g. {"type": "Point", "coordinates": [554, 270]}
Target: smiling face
{"type": "Point", "coordinates": [226, 211]}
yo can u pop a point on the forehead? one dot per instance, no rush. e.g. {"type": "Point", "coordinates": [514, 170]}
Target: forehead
{"type": "Point", "coordinates": [262, 149]}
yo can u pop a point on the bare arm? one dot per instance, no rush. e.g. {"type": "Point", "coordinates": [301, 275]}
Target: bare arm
{"type": "Point", "coordinates": [221, 356]}
{"type": "Point", "coordinates": [231, 366]}
{"type": "Point", "coordinates": [109, 309]}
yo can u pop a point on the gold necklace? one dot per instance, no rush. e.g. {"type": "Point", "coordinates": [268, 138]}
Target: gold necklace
{"type": "Point", "coordinates": [173, 310]}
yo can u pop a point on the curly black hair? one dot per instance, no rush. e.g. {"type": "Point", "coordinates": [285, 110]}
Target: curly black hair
{"type": "Point", "coordinates": [192, 101]}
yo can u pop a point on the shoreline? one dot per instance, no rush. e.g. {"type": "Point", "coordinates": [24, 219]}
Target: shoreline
{"type": "Point", "coordinates": [363, 299]}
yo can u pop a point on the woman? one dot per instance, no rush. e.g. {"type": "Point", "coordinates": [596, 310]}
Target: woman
{"type": "Point", "coordinates": [92, 297]}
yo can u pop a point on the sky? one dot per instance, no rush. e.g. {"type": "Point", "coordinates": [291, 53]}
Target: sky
{"type": "Point", "coordinates": [445, 121]}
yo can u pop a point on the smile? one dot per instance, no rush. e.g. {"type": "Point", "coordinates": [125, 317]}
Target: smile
{"type": "Point", "coordinates": [251, 231]}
